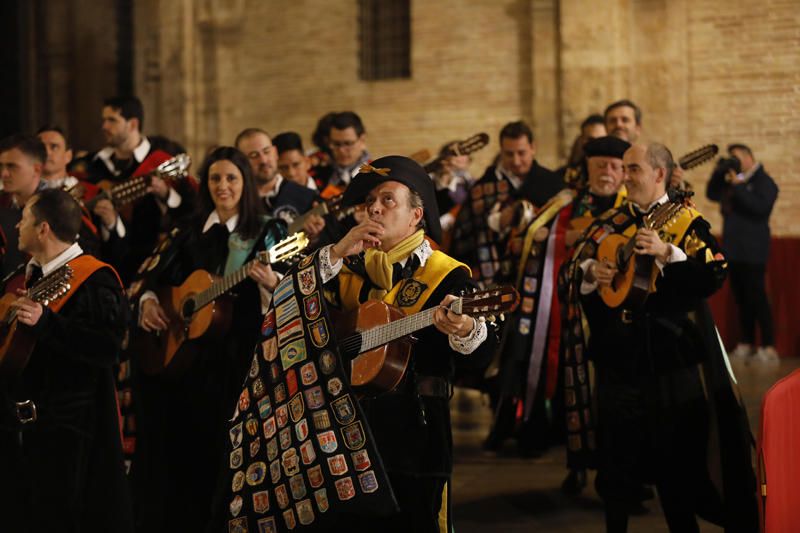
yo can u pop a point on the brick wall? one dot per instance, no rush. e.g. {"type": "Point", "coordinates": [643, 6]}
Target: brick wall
{"type": "Point", "coordinates": [704, 71]}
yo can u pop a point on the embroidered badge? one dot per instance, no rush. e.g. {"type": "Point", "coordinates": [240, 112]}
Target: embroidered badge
{"type": "Point", "coordinates": [293, 353]}
{"type": "Point", "coordinates": [345, 489]}
{"type": "Point", "coordinates": [282, 415]}
{"type": "Point", "coordinates": [529, 284]}
{"type": "Point", "coordinates": [368, 481]}
{"type": "Point", "coordinates": [297, 486]}
{"type": "Point", "coordinates": [291, 382]}
{"type": "Point", "coordinates": [306, 261]}
{"type": "Point", "coordinates": [284, 290]}
{"type": "Point", "coordinates": [305, 514]}
{"type": "Point", "coordinates": [307, 453]}
{"type": "Point", "coordinates": [301, 430]}
{"type": "Point", "coordinates": [264, 407]}
{"type": "Point", "coordinates": [360, 460]}
{"type": "Point", "coordinates": [337, 465]}
{"type": "Point", "coordinates": [285, 437]}
{"type": "Point", "coordinates": [236, 458]}
{"type": "Point", "coordinates": [525, 326]}
{"type": "Point", "coordinates": [251, 425]}
{"type": "Point", "coordinates": [314, 397]}
{"type": "Point", "coordinates": [335, 386]}
{"type": "Point", "coordinates": [311, 306]}
{"type": "Point", "coordinates": [267, 525]}
{"type": "Point", "coordinates": [275, 375]}
{"type": "Point", "coordinates": [269, 427]}
{"type": "Point", "coordinates": [238, 481]}
{"type": "Point", "coordinates": [272, 449]}
{"type": "Point", "coordinates": [327, 441]}
{"type": "Point", "coordinates": [319, 333]}
{"type": "Point", "coordinates": [275, 471]}
{"type": "Point", "coordinates": [410, 292]}
{"type": "Point", "coordinates": [282, 496]}
{"type": "Point", "coordinates": [343, 409]}
{"type": "Point", "coordinates": [315, 477]}
{"type": "Point", "coordinates": [255, 445]}
{"type": "Point", "coordinates": [307, 280]}
{"type": "Point", "coordinates": [321, 497]}
{"type": "Point", "coordinates": [321, 419]}
{"type": "Point", "coordinates": [269, 349]}
{"type": "Point", "coordinates": [253, 368]}
{"type": "Point", "coordinates": [261, 502]}
{"type": "Point", "coordinates": [235, 434]}
{"type": "Point", "coordinates": [237, 525]}
{"type": "Point", "coordinates": [289, 519]}
{"type": "Point", "coordinates": [289, 331]}
{"type": "Point", "coordinates": [256, 473]}
{"type": "Point", "coordinates": [296, 407]}
{"type": "Point", "coordinates": [308, 373]}
{"type": "Point", "coordinates": [354, 435]}
{"type": "Point", "coordinates": [268, 326]}
{"type": "Point", "coordinates": [286, 312]}
{"type": "Point", "coordinates": [258, 389]}
{"type": "Point", "coordinates": [327, 362]}
{"type": "Point", "coordinates": [244, 400]}
{"type": "Point", "coordinates": [290, 462]}
{"type": "Point", "coordinates": [527, 304]}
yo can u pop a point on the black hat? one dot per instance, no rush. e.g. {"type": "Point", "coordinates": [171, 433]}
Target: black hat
{"type": "Point", "coordinates": [403, 170]}
{"type": "Point", "coordinates": [608, 146]}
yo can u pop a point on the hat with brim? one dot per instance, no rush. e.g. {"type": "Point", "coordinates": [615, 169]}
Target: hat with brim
{"type": "Point", "coordinates": [402, 170]}
{"type": "Point", "coordinates": [608, 146]}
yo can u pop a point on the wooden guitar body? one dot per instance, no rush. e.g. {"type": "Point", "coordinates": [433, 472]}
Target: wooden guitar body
{"type": "Point", "coordinates": [174, 349]}
{"type": "Point", "coordinates": [634, 278]}
{"type": "Point", "coordinates": [16, 343]}
{"type": "Point", "coordinates": [380, 369]}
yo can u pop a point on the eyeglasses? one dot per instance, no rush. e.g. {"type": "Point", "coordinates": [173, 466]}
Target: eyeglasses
{"type": "Point", "coordinates": [342, 144]}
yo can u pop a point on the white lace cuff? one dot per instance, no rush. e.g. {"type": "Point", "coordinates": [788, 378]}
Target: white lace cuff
{"type": "Point", "coordinates": [470, 343]}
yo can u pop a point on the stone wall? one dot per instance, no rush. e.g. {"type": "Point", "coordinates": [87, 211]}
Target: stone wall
{"type": "Point", "coordinates": [704, 71]}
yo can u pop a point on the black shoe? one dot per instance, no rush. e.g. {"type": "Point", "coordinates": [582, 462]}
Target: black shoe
{"type": "Point", "coordinates": [574, 483]}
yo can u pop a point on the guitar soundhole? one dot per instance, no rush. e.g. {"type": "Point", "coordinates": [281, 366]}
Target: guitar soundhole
{"type": "Point", "coordinates": [189, 305]}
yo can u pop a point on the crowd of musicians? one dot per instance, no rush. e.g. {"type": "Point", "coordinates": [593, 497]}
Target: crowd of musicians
{"type": "Point", "coordinates": [96, 434]}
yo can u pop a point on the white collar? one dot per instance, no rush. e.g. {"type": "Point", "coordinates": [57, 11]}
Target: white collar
{"type": "Point", "coordinates": [311, 184]}
{"type": "Point", "coordinates": [663, 199]}
{"type": "Point", "coordinates": [501, 172]}
{"type": "Point", "coordinates": [277, 188]}
{"type": "Point", "coordinates": [54, 264]}
{"type": "Point", "coordinates": [139, 153]}
{"type": "Point", "coordinates": [423, 252]}
{"type": "Point", "coordinates": [213, 218]}
{"type": "Point", "coordinates": [64, 182]}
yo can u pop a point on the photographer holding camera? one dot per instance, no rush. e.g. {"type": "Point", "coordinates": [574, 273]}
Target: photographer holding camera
{"type": "Point", "coordinates": [746, 194]}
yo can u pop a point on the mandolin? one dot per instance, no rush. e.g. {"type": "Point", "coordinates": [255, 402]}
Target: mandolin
{"type": "Point", "coordinates": [376, 336]}
{"type": "Point", "coordinates": [197, 310]}
{"type": "Point", "coordinates": [636, 273]}
{"type": "Point", "coordinates": [133, 189]}
{"type": "Point", "coordinates": [16, 343]}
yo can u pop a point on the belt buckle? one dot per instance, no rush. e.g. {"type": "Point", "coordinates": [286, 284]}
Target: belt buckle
{"type": "Point", "coordinates": [627, 316]}
{"type": "Point", "coordinates": [26, 412]}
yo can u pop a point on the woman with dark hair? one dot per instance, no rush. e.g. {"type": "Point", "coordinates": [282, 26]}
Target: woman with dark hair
{"type": "Point", "coordinates": [182, 418]}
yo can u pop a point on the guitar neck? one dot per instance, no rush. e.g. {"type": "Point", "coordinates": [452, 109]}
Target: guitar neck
{"type": "Point", "coordinates": [319, 210]}
{"type": "Point", "coordinates": [386, 333]}
{"type": "Point", "coordinates": [223, 286]}
{"type": "Point", "coordinates": [130, 191]}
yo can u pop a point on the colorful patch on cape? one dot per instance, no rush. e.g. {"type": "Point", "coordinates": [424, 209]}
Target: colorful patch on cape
{"type": "Point", "coordinates": [269, 349]}
{"type": "Point", "coordinates": [327, 362]}
{"type": "Point", "coordinates": [308, 280]}
{"type": "Point", "coordinates": [312, 306]}
{"type": "Point", "coordinates": [319, 333]}
{"type": "Point", "coordinates": [343, 409]}
{"type": "Point", "coordinates": [293, 353]}
{"type": "Point", "coordinates": [305, 514]}
{"type": "Point", "coordinates": [298, 486]}
{"type": "Point", "coordinates": [284, 290]}
{"type": "Point", "coordinates": [268, 326]}
{"type": "Point", "coordinates": [307, 453]}
{"type": "Point", "coordinates": [315, 477]}
{"type": "Point", "coordinates": [353, 435]}
{"type": "Point", "coordinates": [368, 481]}
{"type": "Point", "coordinates": [337, 465]}
{"type": "Point", "coordinates": [286, 312]}
{"type": "Point", "coordinates": [361, 460]}
{"type": "Point", "coordinates": [410, 292]}
{"type": "Point", "coordinates": [289, 331]}
{"type": "Point", "coordinates": [345, 489]}
{"type": "Point", "coordinates": [308, 373]}
{"type": "Point", "coordinates": [261, 501]}
{"type": "Point", "coordinates": [314, 397]}
{"type": "Point", "coordinates": [321, 497]}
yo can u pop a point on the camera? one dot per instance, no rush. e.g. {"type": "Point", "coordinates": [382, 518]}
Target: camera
{"type": "Point", "coordinates": [724, 164]}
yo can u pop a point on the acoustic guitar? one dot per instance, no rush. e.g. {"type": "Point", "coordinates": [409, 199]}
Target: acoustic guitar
{"type": "Point", "coordinates": [465, 147]}
{"type": "Point", "coordinates": [17, 343]}
{"type": "Point", "coordinates": [198, 309]}
{"type": "Point", "coordinates": [376, 337]}
{"type": "Point", "coordinates": [637, 273]}
{"type": "Point", "coordinates": [133, 189]}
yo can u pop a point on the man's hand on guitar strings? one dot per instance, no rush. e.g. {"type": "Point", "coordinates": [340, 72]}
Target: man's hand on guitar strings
{"type": "Point", "coordinates": [153, 316]}
{"type": "Point", "coordinates": [602, 272]}
{"type": "Point", "coordinates": [451, 323]}
{"type": "Point", "coordinates": [649, 243]}
{"type": "Point", "coordinates": [28, 311]}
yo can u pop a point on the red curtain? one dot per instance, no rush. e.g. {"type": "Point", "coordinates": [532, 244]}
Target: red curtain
{"type": "Point", "coordinates": [783, 291]}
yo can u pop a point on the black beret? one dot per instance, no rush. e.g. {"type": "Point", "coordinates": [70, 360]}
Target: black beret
{"type": "Point", "coordinates": [608, 146]}
{"type": "Point", "coordinates": [403, 170]}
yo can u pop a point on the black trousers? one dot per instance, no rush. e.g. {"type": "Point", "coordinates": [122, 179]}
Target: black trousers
{"type": "Point", "coordinates": [749, 292]}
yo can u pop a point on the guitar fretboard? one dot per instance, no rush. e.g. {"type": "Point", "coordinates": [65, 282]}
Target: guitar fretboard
{"type": "Point", "coordinates": [386, 333]}
{"type": "Point", "coordinates": [222, 286]}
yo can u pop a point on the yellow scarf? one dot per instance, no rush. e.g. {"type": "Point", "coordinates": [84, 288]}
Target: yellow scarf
{"type": "Point", "coordinates": [379, 263]}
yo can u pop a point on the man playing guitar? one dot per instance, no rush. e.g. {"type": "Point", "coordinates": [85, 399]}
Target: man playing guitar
{"type": "Point", "coordinates": [389, 257]}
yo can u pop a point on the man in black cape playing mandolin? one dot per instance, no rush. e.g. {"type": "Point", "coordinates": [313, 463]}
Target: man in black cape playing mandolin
{"type": "Point", "coordinates": [667, 407]}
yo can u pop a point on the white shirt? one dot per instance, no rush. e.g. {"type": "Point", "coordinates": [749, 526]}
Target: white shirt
{"type": "Point", "coordinates": [57, 262]}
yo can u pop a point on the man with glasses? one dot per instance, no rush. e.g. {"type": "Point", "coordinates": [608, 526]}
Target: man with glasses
{"type": "Point", "coordinates": [347, 142]}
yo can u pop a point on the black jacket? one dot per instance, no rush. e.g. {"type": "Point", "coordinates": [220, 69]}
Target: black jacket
{"type": "Point", "coordinates": [745, 211]}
